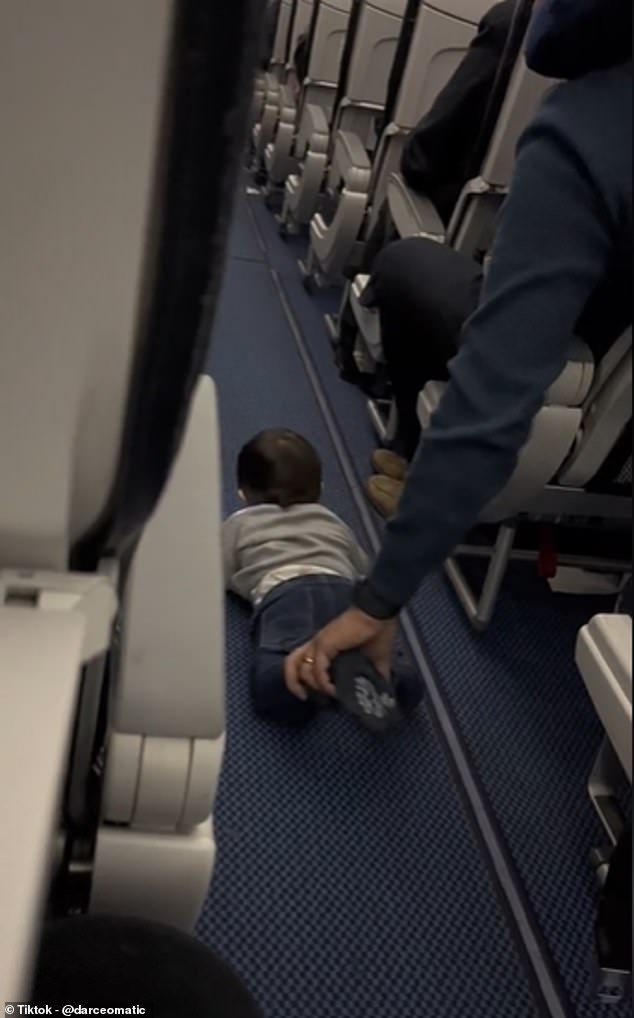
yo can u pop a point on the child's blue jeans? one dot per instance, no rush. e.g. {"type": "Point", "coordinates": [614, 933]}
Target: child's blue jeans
{"type": "Point", "coordinates": [287, 617]}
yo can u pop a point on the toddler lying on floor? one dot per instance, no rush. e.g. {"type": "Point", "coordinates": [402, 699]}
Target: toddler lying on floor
{"type": "Point", "coordinates": [297, 562]}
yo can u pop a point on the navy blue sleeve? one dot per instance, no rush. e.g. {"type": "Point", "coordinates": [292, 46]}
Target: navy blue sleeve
{"type": "Point", "coordinates": [568, 38]}
{"type": "Point", "coordinates": [553, 246]}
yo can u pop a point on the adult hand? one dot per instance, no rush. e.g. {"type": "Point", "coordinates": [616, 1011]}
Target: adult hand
{"type": "Point", "coordinates": [307, 667]}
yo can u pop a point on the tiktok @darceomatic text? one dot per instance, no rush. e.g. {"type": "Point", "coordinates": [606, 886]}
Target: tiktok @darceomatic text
{"type": "Point", "coordinates": [73, 1009]}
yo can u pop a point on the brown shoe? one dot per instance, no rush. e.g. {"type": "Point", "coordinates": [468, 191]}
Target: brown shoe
{"type": "Point", "coordinates": [384, 494]}
{"type": "Point", "coordinates": [390, 464]}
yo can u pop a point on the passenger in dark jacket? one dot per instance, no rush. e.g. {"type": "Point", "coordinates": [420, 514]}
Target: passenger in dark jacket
{"type": "Point", "coordinates": [437, 154]}
{"type": "Point", "coordinates": [424, 293]}
{"type": "Point", "coordinates": [562, 259]}
{"type": "Point", "coordinates": [436, 157]}
{"type": "Point", "coordinates": [436, 162]}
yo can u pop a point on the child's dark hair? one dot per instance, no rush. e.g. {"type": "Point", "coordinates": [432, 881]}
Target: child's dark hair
{"type": "Point", "coordinates": [279, 467]}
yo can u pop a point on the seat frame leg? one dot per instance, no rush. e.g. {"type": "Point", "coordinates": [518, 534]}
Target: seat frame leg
{"type": "Point", "coordinates": [480, 608]}
{"type": "Point", "coordinates": [604, 778]}
{"type": "Point", "coordinates": [332, 321]}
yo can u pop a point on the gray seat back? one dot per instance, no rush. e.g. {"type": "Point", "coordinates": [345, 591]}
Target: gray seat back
{"type": "Point", "coordinates": [471, 224]}
{"type": "Point", "coordinates": [442, 34]}
{"type": "Point", "coordinates": [281, 40]}
{"type": "Point", "coordinates": [328, 41]}
{"type": "Point", "coordinates": [75, 206]}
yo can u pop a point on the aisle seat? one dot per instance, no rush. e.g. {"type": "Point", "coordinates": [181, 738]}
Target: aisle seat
{"type": "Point", "coordinates": [604, 659]}
{"type": "Point", "coordinates": [585, 413]}
{"type": "Point", "coordinates": [553, 434]}
{"type": "Point", "coordinates": [114, 215]}
{"type": "Point", "coordinates": [472, 225]}
{"type": "Point", "coordinates": [367, 319]}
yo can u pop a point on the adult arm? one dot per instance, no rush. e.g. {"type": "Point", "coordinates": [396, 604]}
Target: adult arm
{"type": "Point", "coordinates": [553, 247]}
{"type": "Point", "coordinates": [568, 38]}
{"type": "Point", "coordinates": [554, 244]}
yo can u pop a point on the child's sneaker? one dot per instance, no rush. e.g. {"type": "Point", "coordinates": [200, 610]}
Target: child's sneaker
{"type": "Point", "coordinates": [364, 693]}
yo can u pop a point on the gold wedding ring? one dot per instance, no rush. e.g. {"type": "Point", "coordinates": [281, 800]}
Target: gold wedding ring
{"type": "Point", "coordinates": [309, 660]}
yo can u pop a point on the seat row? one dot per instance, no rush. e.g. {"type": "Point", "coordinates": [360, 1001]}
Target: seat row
{"type": "Point", "coordinates": [329, 169]}
{"type": "Point", "coordinates": [341, 170]}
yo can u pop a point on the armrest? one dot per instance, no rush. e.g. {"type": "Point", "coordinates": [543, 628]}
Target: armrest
{"type": "Point", "coordinates": [428, 402]}
{"type": "Point", "coordinates": [288, 104]}
{"type": "Point", "coordinates": [171, 661]}
{"type": "Point", "coordinates": [271, 89]}
{"type": "Point", "coordinates": [272, 83]}
{"type": "Point", "coordinates": [413, 214]}
{"type": "Point", "coordinates": [169, 713]}
{"type": "Point", "coordinates": [314, 131]}
{"type": "Point", "coordinates": [604, 658]}
{"type": "Point", "coordinates": [50, 625]}
{"type": "Point", "coordinates": [573, 384]}
{"type": "Point", "coordinates": [351, 161]}
{"type": "Point", "coordinates": [40, 668]}
{"type": "Point", "coordinates": [552, 434]}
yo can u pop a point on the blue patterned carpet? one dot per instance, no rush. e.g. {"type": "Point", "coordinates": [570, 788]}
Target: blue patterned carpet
{"type": "Point", "coordinates": [349, 881]}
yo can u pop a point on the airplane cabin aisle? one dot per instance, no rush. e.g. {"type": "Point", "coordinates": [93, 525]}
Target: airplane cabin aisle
{"type": "Point", "coordinates": [441, 871]}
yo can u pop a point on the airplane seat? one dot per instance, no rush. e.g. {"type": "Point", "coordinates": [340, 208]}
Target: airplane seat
{"type": "Point", "coordinates": [270, 78]}
{"type": "Point", "coordinates": [326, 41]}
{"type": "Point", "coordinates": [441, 36]}
{"type": "Point", "coordinates": [469, 228]}
{"type": "Point", "coordinates": [374, 27]}
{"type": "Point", "coordinates": [375, 41]}
{"type": "Point", "coordinates": [472, 224]}
{"type": "Point", "coordinates": [111, 597]}
{"type": "Point", "coordinates": [515, 96]}
{"type": "Point", "coordinates": [279, 56]}
{"type": "Point", "coordinates": [367, 319]}
{"type": "Point", "coordinates": [439, 43]}
{"type": "Point", "coordinates": [278, 90]}
{"type": "Point", "coordinates": [155, 848]}
{"type": "Point", "coordinates": [553, 433]}
{"type": "Point", "coordinates": [585, 413]}
{"type": "Point", "coordinates": [603, 656]}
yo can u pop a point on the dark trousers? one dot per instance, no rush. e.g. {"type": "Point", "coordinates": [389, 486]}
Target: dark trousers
{"type": "Point", "coordinates": [424, 292]}
{"type": "Point", "coordinates": [382, 234]}
{"type": "Point", "coordinates": [287, 617]}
